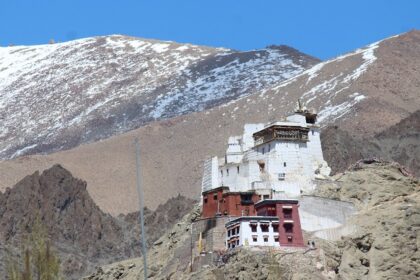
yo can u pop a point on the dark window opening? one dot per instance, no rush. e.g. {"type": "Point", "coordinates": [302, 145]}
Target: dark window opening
{"type": "Point", "coordinates": [288, 228]}
{"type": "Point", "coordinates": [313, 132]}
{"type": "Point", "coordinates": [237, 168]}
{"type": "Point", "coordinates": [205, 199]}
{"type": "Point", "coordinates": [265, 238]}
{"type": "Point", "coordinates": [246, 199]}
{"type": "Point", "coordinates": [266, 196]}
{"type": "Point", "coordinates": [290, 239]}
{"type": "Point", "coordinates": [275, 228]}
{"type": "Point", "coordinates": [276, 239]}
{"type": "Point", "coordinates": [227, 172]}
{"type": "Point", "coordinates": [262, 166]}
{"type": "Point", "coordinates": [215, 196]}
{"type": "Point", "coordinates": [254, 228]}
{"type": "Point", "coordinates": [284, 164]}
{"type": "Point", "coordinates": [221, 172]}
{"type": "Point", "coordinates": [264, 228]}
{"type": "Point", "coordinates": [287, 213]}
{"type": "Point", "coordinates": [263, 151]}
{"type": "Point", "coordinates": [254, 239]}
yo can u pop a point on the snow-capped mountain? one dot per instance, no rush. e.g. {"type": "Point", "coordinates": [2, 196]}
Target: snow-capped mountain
{"type": "Point", "coordinates": [364, 93]}
{"type": "Point", "coordinates": [57, 96]}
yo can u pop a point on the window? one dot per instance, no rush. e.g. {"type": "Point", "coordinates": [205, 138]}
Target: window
{"type": "Point", "coordinates": [261, 165]}
{"type": "Point", "coordinates": [254, 238]}
{"type": "Point", "coordinates": [290, 239]}
{"type": "Point", "coordinates": [254, 228]}
{"type": "Point", "coordinates": [266, 196]}
{"type": "Point", "coordinates": [276, 239]}
{"type": "Point", "coordinates": [282, 176]}
{"type": "Point", "coordinates": [237, 242]}
{"type": "Point", "coordinates": [229, 233]}
{"type": "Point", "coordinates": [227, 171]}
{"type": "Point", "coordinates": [284, 164]}
{"type": "Point", "coordinates": [288, 228]}
{"type": "Point", "coordinates": [287, 213]}
{"type": "Point", "coordinates": [215, 196]}
{"type": "Point", "coordinates": [275, 228]}
{"type": "Point", "coordinates": [237, 168]}
{"type": "Point", "coordinates": [269, 147]}
{"type": "Point", "coordinates": [246, 199]}
{"type": "Point", "coordinates": [263, 151]}
{"type": "Point", "coordinates": [221, 172]}
{"type": "Point", "coordinates": [205, 199]}
{"type": "Point", "coordinates": [312, 132]}
{"type": "Point", "coordinates": [265, 238]}
{"type": "Point", "coordinates": [264, 228]}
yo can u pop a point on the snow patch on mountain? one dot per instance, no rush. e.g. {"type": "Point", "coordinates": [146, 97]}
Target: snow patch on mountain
{"type": "Point", "coordinates": [61, 95]}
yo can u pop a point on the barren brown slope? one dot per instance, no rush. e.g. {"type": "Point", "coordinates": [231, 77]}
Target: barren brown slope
{"type": "Point", "coordinates": [364, 92]}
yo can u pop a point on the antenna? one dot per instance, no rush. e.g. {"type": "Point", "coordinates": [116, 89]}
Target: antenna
{"type": "Point", "coordinates": [141, 204]}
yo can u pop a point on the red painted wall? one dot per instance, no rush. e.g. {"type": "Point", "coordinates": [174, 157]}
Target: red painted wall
{"type": "Point", "coordinates": [297, 237]}
{"type": "Point", "coordinates": [210, 205]}
{"type": "Point", "coordinates": [230, 204]}
{"type": "Point", "coordinates": [276, 209]}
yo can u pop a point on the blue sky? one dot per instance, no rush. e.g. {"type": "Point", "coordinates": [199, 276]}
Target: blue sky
{"type": "Point", "coordinates": [321, 28]}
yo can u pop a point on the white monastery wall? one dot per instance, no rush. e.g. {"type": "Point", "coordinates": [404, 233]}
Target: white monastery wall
{"type": "Point", "coordinates": [317, 213]}
{"type": "Point", "coordinates": [245, 235]}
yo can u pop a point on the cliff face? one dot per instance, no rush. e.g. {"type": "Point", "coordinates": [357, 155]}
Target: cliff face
{"type": "Point", "coordinates": [396, 143]}
{"type": "Point", "coordinates": [383, 246]}
{"type": "Point", "coordinates": [84, 236]}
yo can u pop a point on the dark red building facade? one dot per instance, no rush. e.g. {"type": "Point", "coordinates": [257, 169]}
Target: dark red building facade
{"type": "Point", "coordinates": [221, 202]}
{"type": "Point", "coordinates": [290, 231]}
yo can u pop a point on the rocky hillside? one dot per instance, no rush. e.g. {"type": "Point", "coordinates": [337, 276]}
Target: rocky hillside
{"type": "Point", "coordinates": [363, 93]}
{"type": "Point", "coordinates": [383, 246]}
{"type": "Point", "coordinates": [57, 96]}
{"type": "Point", "coordinates": [83, 235]}
{"type": "Point", "coordinates": [399, 142]}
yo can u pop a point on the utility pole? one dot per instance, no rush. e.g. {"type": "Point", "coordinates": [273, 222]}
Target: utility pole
{"type": "Point", "coordinates": [141, 204]}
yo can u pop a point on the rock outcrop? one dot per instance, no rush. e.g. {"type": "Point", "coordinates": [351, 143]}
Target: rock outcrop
{"type": "Point", "coordinates": [397, 143]}
{"type": "Point", "coordinates": [383, 246]}
{"type": "Point", "coordinates": [81, 232]}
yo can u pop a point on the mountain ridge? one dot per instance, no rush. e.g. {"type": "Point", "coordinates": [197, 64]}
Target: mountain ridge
{"type": "Point", "coordinates": [361, 103]}
{"type": "Point", "coordinates": [57, 96]}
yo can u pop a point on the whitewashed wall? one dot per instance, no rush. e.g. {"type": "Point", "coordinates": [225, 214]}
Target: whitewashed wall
{"type": "Point", "coordinates": [245, 235]}
{"type": "Point", "coordinates": [317, 213]}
